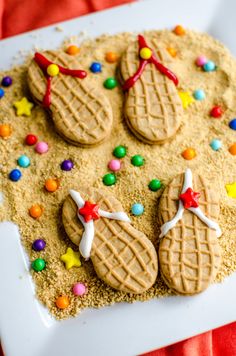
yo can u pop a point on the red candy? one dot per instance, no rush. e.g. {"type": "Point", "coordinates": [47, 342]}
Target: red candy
{"type": "Point", "coordinates": [31, 140]}
{"type": "Point", "coordinates": [216, 112]}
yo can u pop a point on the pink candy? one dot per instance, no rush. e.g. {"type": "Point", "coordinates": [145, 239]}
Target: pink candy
{"type": "Point", "coordinates": [79, 289]}
{"type": "Point", "coordinates": [114, 165]}
{"type": "Point", "coordinates": [41, 147]}
{"type": "Point", "coordinates": [201, 60]}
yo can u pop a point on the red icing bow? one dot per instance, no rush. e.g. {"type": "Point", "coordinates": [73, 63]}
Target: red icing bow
{"type": "Point", "coordinates": [43, 63]}
{"type": "Point", "coordinates": [89, 211]}
{"type": "Point", "coordinates": [142, 64]}
{"type": "Point", "coordinates": [190, 199]}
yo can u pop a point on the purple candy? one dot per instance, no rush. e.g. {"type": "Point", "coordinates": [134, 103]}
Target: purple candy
{"type": "Point", "coordinates": [39, 245]}
{"type": "Point", "coordinates": [6, 81]}
{"type": "Point", "coordinates": [67, 165]}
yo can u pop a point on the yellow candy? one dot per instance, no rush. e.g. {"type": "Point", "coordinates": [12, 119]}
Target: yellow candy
{"type": "Point", "coordinates": [145, 53]}
{"type": "Point", "coordinates": [23, 107]}
{"type": "Point", "coordinates": [231, 190]}
{"type": "Point", "coordinates": [71, 258]}
{"type": "Point", "coordinates": [53, 70]}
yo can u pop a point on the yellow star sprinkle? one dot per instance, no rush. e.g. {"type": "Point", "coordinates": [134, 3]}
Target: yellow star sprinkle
{"type": "Point", "coordinates": [71, 258]}
{"type": "Point", "coordinates": [23, 107]}
{"type": "Point", "coordinates": [231, 190]}
{"type": "Point", "coordinates": [186, 98]}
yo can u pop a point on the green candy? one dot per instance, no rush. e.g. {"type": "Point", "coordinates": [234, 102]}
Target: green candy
{"type": "Point", "coordinates": [120, 152]}
{"type": "Point", "coordinates": [109, 179]}
{"type": "Point", "coordinates": [110, 83]}
{"type": "Point", "coordinates": [38, 265]}
{"type": "Point", "coordinates": [137, 161]}
{"type": "Point", "coordinates": [154, 185]}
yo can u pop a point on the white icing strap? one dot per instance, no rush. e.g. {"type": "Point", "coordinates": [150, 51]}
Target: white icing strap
{"type": "Point", "coordinates": [86, 242]}
{"type": "Point", "coordinates": [197, 211]}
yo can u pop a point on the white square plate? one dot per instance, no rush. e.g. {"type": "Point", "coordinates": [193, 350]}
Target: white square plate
{"type": "Point", "coordinates": [123, 329]}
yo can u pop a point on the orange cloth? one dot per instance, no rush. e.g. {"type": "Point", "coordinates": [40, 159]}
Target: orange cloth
{"type": "Point", "coordinates": [18, 16]}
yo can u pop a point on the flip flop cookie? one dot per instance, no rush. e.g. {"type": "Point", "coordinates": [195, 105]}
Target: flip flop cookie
{"type": "Point", "coordinates": [153, 108]}
{"type": "Point", "coordinates": [123, 257]}
{"type": "Point", "coordinates": [81, 113]}
{"type": "Point", "coordinates": [189, 252]}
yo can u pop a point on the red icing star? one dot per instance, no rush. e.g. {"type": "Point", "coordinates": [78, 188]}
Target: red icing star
{"type": "Point", "coordinates": [89, 211]}
{"type": "Point", "coordinates": [190, 199]}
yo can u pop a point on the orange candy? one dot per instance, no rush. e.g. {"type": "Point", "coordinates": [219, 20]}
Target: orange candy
{"type": "Point", "coordinates": [172, 51]}
{"type": "Point", "coordinates": [189, 153]}
{"type": "Point", "coordinates": [179, 30]}
{"type": "Point", "coordinates": [36, 211]}
{"type": "Point", "coordinates": [72, 50]}
{"type": "Point", "coordinates": [51, 185]}
{"type": "Point", "coordinates": [232, 149]}
{"type": "Point", "coordinates": [62, 302]}
{"type": "Point", "coordinates": [111, 57]}
{"type": "Point", "coordinates": [5, 130]}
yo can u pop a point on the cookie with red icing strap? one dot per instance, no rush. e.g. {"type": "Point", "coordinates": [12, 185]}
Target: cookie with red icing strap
{"type": "Point", "coordinates": [81, 113]}
{"type": "Point", "coordinates": [152, 107]}
{"type": "Point", "coordinates": [189, 252]}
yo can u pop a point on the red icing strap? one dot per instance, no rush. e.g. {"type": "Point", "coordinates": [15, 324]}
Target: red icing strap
{"type": "Point", "coordinates": [43, 63]}
{"type": "Point", "coordinates": [142, 64]}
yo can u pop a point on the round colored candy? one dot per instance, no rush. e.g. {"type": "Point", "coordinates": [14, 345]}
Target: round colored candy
{"type": "Point", "coordinates": [109, 179]}
{"type": "Point", "coordinates": [209, 66]}
{"type": "Point", "coordinates": [232, 149]}
{"type": "Point", "coordinates": [154, 185]}
{"type": "Point", "coordinates": [110, 83]}
{"type": "Point", "coordinates": [31, 140]}
{"type": "Point", "coordinates": [114, 165]}
{"type": "Point", "coordinates": [39, 245]}
{"type": "Point", "coordinates": [53, 70]}
{"type": "Point", "coordinates": [5, 130]}
{"type": "Point", "coordinates": [96, 67]}
{"type": "Point", "coordinates": [79, 289]}
{"type": "Point", "coordinates": [67, 165]}
{"type": "Point", "coordinates": [232, 124]}
{"type": "Point", "coordinates": [62, 302]}
{"type": "Point", "coordinates": [51, 185]}
{"type": "Point", "coordinates": [199, 94]}
{"type": "Point", "coordinates": [15, 175]}
{"type": "Point", "coordinates": [137, 209]}
{"type": "Point", "coordinates": [41, 147]}
{"type": "Point", "coordinates": [137, 161]}
{"type": "Point", "coordinates": [216, 112]}
{"type": "Point", "coordinates": [189, 153]}
{"type": "Point", "coordinates": [145, 53]}
{"type": "Point", "coordinates": [201, 60]}
{"type": "Point", "coordinates": [23, 161]}
{"type": "Point", "coordinates": [2, 92]}
{"type": "Point", "coordinates": [6, 81]}
{"type": "Point", "coordinates": [36, 211]}
{"type": "Point", "coordinates": [172, 51]}
{"type": "Point", "coordinates": [179, 30]}
{"type": "Point", "coordinates": [216, 144]}
{"type": "Point", "coordinates": [111, 57]}
{"type": "Point", "coordinates": [72, 50]}
{"type": "Point", "coordinates": [38, 265]}
{"type": "Point", "coordinates": [120, 151]}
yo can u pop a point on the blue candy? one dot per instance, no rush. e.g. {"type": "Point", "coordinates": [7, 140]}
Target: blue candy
{"type": "Point", "coordinates": [199, 94]}
{"type": "Point", "coordinates": [2, 92]}
{"type": "Point", "coordinates": [15, 175]}
{"type": "Point", "coordinates": [209, 66]}
{"type": "Point", "coordinates": [96, 67]}
{"type": "Point", "coordinates": [23, 161]}
{"type": "Point", "coordinates": [216, 144]}
{"type": "Point", "coordinates": [232, 124]}
{"type": "Point", "coordinates": [137, 209]}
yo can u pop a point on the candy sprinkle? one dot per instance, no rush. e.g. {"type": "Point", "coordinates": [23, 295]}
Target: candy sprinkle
{"type": "Point", "coordinates": [114, 165]}
{"type": "Point", "coordinates": [120, 151]}
{"type": "Point", "coordinates": [72, 50]}
{"type": "Point", "coordinates": [232, 149]}
{"type": "Point", "coordinates": [137, 209]}
{"type": "Point", "coordinates": [41, 147]}
{"type": "Point", "coordinates": [232, 124]}
{"type": "Point", "coordinates": [5, 130]}
{"type": "Point", "coordinates": [209, 66]}
{"type": "Point", "coordinates": [137, 161]}
{"type": "Point", "coordinates": [38, 245]}
{"type": "Point", "coordinates": [111, 57]}
{"type": "Point", "coordinates": [38, 265]}
{"type": "Point", "coordinates": [109, 179]}
{"type": "Point", "coordinates": [199, 94]}
{"type": "Point", "coordinates": [67, 165]}
{"type": "Point", "coordinates": [96, 67]}
{"type": "Point", "coordinates": [51, 185]}
{"type": "Point", "coordinates": [15, 175]}
{"type": "Point", "coordinates": [23, 161]}
{"type": "Point", "coordinates": [36, 211]}
{"type": "Point", "coordinates": [216, 112]}
{"type": "Point", "coordinates": [2, 93]}
{"type": "Point", "coordinates": [216, 144]}
{"type": "Point", "coordinates": [6, 81]}
{"type": "Point", "coordinates": [172, 51]}
{"type": "Point", "coordinates": [189, 153]}
{"type": "Point", "coordinates": [79, 289]}
{"type": "Point", "coordinates": [201, 60]}
{"type": "Point", "coordinates": [110, 83]}
{"type": "Point", "coordinates": [62, 302]}
{"type": "Point", "coordinates": [31, 140]}
{"type": "Point", "coordinates": [154, 185]}
{"type": "Point", "coordinates": [179, 30]}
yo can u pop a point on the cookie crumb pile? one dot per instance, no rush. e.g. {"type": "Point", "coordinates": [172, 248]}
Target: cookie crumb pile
{"type": "Point", "coordinates": [38, 167]}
